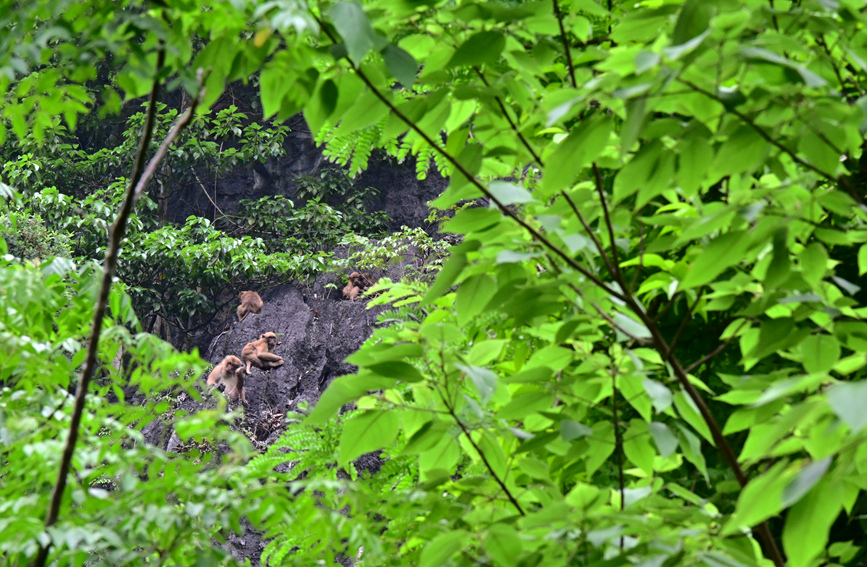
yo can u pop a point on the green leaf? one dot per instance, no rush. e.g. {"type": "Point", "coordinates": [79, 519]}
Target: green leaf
{"type": "Point", "coordinates": [659, 394]}
{"type": "Point", "coordinates": [848, 400]}
{"type": "Point", "coordinates": [441, 548]}
{"type": "Point", "coordinates": [635, 329]}
{"type": "Point", "coordinates": [689, 412]}
{"type": "Point", "coordinates": [570, 430]}
{"type": "Point", "coordinates": [862, 260]}
{"type": "Point", "coordinates": [665, 440]}
{"type": "Point", "coordinates": [398, 370]}
{"type": "Point", "coordinates": [820, 353]}
{"type": "Point", "coordinates": [693, 21]}
{"type": "Point", "coordinates": [814, 263]}
{"type": "Point", "coordinates": [806, 479]}
{"type": "Point", "coordinates": [637, 447]}
{"type": "Point", "coordinates": [721, 254]}
{"type": "Point", "coordinates": [427, 437]}
{"type": "Point", "coordinates": [400, 64]}
{"type": "Point", "coordinates": [483, 47]}
{"type": "Point", "coordinates": [509, 193]}
{"type": "Point", "coordinates": [484, 380]}
{"type": "Point", "coordinates": [503, 544]}
{"type": "Point", "coordinates": [352, 25]}
{"type": "Point", "coordinates": [450, 272]}
{"type": "Point", "coordinates": [367, 432]}
{"type": "Point", "coordinates": [809, 522]}
{"type": "Point", "coordinates": [342, 391]}
{"type": "Point", "coordinates": [579, 149]}
{"type": "Point", "coordinates": [760, 499]}
{"type": "Point", "coordinates": [778, 270]}
{"type": "Point", "coordinates": [473, 295]}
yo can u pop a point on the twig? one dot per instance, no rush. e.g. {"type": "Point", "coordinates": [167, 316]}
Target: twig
{"type": "Point", "coordinates": [138, 181]}
{"type": "Point", "coordinates": [714, 352]}
{"type": "Point", "coordinates": [514, 126]}
{"type": "Point", "coordinates": [618, 443]}
{"type": "Point", "coordinates": [686, 319]}
{"type": "Point", "coordinates": [609, 224]}
{"type": "Point", "coordinates": [565, 41]}
{"type": "Point", "coordinates": [777, 144]}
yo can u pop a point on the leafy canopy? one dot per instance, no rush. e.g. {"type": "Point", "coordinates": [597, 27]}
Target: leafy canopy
{"type": "Point", "coordinates": [648, 348]}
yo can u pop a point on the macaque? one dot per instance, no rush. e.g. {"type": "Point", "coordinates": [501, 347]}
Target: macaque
{"type": "Point", "coordinates": [260, 353]}
{"type": "Point", "coordinates": [230, 372]}
{"type": "Point", "coordinates": [358, 284]}
{"type": "Point", "coordinates": [250, 303]}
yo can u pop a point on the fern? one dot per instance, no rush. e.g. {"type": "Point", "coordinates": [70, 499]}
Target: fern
{"type": "Point", "coordinates": [353, 150]}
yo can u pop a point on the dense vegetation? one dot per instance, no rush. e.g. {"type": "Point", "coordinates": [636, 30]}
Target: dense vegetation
{"type": "Point", "coordinates": [648, 349]}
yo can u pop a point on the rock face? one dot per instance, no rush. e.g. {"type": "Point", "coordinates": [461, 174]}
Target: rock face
{"type": "Point", "coordinates": [316, 334]}
{"type": "Point", "coordinates": [317, 330]}
{"type": "Point", "coordinates": [401, 195]}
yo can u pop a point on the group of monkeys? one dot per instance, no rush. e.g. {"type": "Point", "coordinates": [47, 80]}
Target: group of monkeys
{"type": "Point", "coordinates": [260, 353]}
{"type": "Point", "coordinates": [231, 371]}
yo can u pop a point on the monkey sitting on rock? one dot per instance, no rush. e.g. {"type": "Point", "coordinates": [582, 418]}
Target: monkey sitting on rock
{"type": "Point", "coordinates": [250, 303]}
{"type": "Point", "coordinates": [260, 353]}
{"type": "Point", "coordinates": [358, 284]}
{"type": "Point", "coordinates": [230, 372]}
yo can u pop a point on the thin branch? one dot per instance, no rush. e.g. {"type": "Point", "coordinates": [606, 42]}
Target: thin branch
{"type": "Point", "coordinates": [138, 180]}
{"type": "Point", "coordinates": [514, 126]}
{"type": "Point", "coordinates": [714, 352]}
{"type": "Point", "coordinates": [109, 266]}
{"type": "Point", "coordinates": [596, 242]}
{"type": "Point", "coordinates": [716, 432]}
{"type": "Point", "coordinates": [777, 144]}
{"type": "Point", "coordinates": [608, 223]}
{"type": "Point", "coordinates": [720, 441]}
{"type": "Point", "coordinates": [640, 266]}
{"type": "Point", "coordinates": [686, 319]}
{"type": "Point", "coordinates": [565, 41]}
{"type": "Point", "coordinates": [618, 443]}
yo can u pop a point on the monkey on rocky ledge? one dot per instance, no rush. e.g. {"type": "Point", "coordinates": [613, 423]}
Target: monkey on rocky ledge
{"type": "Point", "coordinates": [250, 303]}
{"type": "Point", "coordinates": [230, 372]}
{"type": "Point", "coordinates": [259, 353]}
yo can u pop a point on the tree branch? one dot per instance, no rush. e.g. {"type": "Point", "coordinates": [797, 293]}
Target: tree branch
{"type": "Point", "coordinates": [714, 352]}
{"type": "Point", "coordinates": [686, 319]}
{"type": "Point", "coordinates": [777, 144]}
{"type": "Point", "coordinates": [538, 236]}
{"type": "Point", "coordinates": [514, 126]}
{"type": "Point", "coordinates": [138, 180]}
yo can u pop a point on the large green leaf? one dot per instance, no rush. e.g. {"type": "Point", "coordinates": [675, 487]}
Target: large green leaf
{"type": "Point", "coordinates": [367, 432]}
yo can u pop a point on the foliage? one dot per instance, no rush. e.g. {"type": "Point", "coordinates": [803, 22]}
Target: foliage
{"type": "Point", "coordinates": [426, 253]}
{"type": "Point", "coordinates": [649, 348]}
{"type": "Point", "coordinates": [175, 274]}
{"type": "Point", "coordinates": [28, 238]}
{"type": "Point", "coordinates": [131, 502]}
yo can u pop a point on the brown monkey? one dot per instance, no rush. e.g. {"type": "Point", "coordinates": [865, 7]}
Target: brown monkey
{"type": "Point", "coordinates": [230, 372]}
{"type": "Point", "coordinates": [355, 286]}
{"type": "Point", "coordinates": [250, 303]}
{"type": "Point", "coordinates": [260, 353]}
